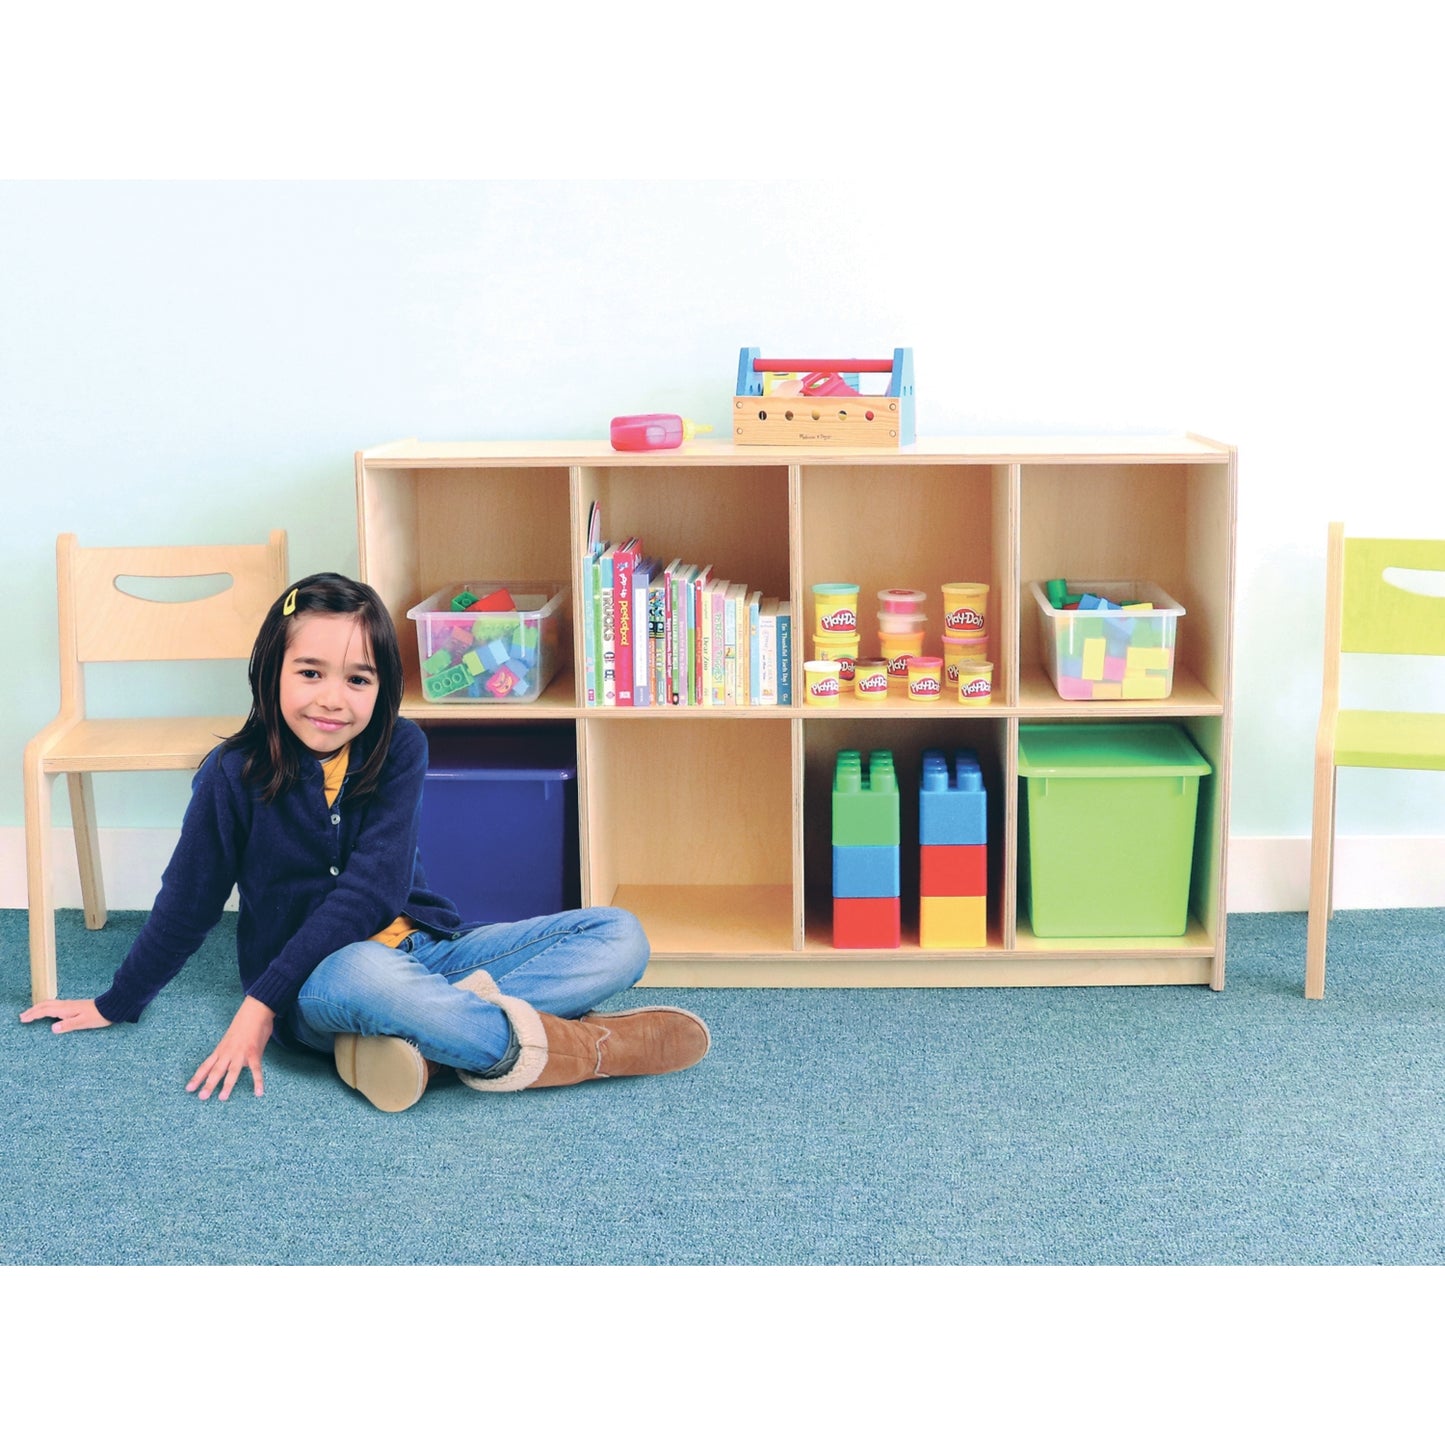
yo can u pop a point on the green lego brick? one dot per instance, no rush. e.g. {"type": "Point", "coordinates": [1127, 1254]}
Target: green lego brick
{"type": "Point", "coordinates": [865, 807]}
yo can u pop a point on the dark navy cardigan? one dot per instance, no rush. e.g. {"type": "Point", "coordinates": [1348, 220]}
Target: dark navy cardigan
{"type": "Point", "coordinates": [311, 878]}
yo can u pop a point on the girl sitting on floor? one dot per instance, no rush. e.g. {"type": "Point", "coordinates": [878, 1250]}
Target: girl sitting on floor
{"type": "Point", "coordinates": [311, 812]}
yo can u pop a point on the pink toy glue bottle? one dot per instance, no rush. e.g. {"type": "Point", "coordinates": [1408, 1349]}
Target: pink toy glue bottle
{"type": "Point", "coordinates": [653, 431]}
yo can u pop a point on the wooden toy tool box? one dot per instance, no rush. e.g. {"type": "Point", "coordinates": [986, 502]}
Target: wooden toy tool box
{"type": "Point", "coordinates": [828, 412]}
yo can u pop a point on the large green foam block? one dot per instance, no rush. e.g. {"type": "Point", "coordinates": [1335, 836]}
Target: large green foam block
{"type": "Point", "coordinates": [865, 801]}
{"type": "Point", "coordinates": [1108, 828]}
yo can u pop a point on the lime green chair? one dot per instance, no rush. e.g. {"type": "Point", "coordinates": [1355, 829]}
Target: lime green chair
{"type": "Point", "coordinates": [1366, 612]}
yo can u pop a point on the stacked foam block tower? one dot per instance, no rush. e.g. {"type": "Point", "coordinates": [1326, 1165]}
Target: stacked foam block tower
{"type": "Point", "coordinates": [866, 898]}
{"type": "Point", "coordinates": [953, 852]}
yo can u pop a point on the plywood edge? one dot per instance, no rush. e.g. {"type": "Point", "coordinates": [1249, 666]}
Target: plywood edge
{"type": "Point", "coordinates": [868, 970]}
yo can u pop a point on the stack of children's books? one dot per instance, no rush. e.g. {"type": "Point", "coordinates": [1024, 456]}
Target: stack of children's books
{"type": "Point", "coordinates": [673, 634]}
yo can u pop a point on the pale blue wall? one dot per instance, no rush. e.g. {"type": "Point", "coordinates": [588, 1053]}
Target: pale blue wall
{"type": "Point", "coordinates": [186, 362]}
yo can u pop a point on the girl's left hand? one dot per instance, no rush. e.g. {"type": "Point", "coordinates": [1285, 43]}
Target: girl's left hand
{"type": "Point", "coordinates": [240, 1048]}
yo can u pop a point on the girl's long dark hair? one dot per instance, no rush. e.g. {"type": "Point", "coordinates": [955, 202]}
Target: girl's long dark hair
{"type": "Point", "coordinates": [274, 754]}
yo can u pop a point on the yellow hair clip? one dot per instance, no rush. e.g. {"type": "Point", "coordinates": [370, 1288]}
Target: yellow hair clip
{"type": "Point", "coordinates": [289, 605]}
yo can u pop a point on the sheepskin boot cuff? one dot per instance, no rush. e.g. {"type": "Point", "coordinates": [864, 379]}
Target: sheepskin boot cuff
{"type": "Point", "coordinates": [527, 1033]}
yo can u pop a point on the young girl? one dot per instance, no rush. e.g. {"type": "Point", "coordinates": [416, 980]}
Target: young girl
{"type": "Point", "coordinates": [311, 813]}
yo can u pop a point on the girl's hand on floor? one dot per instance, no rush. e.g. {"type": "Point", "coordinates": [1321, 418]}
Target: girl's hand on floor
{"type": "Point", "coordinates": [71, 1013]}
{"type": "Point", "coordinates": [240, 1048]}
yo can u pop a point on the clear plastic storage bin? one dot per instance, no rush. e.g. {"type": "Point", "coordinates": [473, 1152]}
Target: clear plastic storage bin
{"type": "Point", "coordinates": [1126, 651]}
{"type": "Point", "coordinates": [489, 655]}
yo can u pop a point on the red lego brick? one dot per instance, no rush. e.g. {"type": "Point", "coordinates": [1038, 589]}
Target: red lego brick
{"type": "Point", "coordinates": [498, 601]}
{"type": "Point", "coordinates": [866, 923]}
{"type": "Point", "coordinates": [953, 870]}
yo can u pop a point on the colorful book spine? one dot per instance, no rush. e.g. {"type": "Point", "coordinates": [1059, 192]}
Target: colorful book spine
{"type": "Point", "coordinates": [642, 633]}
{"type": "Point", "coordinates": [624, 564]}
{"type": "Point", "coordinates": [704, 643]}
{"type": "Point", "coordinates": [755, 601]}
{"type": "Point", "coordinates": [607, 631]}
{"type": "Point", "coordinates": [589, 630]}
{"type": "Point", "coordinates": [668, 696]}
{"type": "Point", "coordinates": [735, 642]}
{"type": "Point", "coordinates": [680, 600]}
{"type": "Point", "coordinates": [597, 662]}
{"type": "Point", "coordinates": [768, 653]}
{"type": "Point", "coordinates": [694, 651]}
{"type": "Point", "coordinates": [590, 672]}
{"type": "Point", "coordinates": [656, 631]}
{"type": "Point", "coordinates": [785, 654]}
{"type": "Point", "coordinates": [715, 675]}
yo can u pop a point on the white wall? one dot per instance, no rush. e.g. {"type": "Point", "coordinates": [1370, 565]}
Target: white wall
{"type": "Point", "coordinates": [1234, 232]}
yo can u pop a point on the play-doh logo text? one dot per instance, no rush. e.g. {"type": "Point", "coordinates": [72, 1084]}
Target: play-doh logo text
{"type": "Point", "coordinates": [963, 619]}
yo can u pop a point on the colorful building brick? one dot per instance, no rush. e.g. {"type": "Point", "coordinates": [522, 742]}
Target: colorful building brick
{"type": "Point", "coordinates": [866, 888]}
{"type": "Point", "coordinates": [953, 852]}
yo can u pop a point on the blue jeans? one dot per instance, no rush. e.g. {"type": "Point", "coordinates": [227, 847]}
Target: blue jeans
{"type": "Point", "coordinates": [563, 964]}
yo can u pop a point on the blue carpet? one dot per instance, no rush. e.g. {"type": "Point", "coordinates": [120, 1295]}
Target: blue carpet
{"type": "Point", "coordinates": [1110, 1126]}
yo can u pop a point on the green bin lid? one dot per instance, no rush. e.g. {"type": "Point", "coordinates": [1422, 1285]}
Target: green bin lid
{"type": "Point", "coordinates": [1123, 750]}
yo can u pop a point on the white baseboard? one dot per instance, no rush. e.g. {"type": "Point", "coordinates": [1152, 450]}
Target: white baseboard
{"type": "Point", "coordinates": [1266, 875]}
{"type": "Point", "coordinates": [131, 863]}
{"type": "Point", "coordinates": [1272, 875]}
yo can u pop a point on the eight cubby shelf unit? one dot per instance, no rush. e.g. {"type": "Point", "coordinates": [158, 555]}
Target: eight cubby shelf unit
{"type": "Point", "coordinates": [713, 824]}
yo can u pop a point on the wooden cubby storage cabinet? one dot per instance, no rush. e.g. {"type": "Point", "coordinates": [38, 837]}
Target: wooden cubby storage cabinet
{"type": "Point", "coordinates": [713, 825]}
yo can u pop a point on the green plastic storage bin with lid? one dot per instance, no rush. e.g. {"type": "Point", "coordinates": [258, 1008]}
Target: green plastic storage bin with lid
{"type": "Point", "coordinates": [1107, 842]}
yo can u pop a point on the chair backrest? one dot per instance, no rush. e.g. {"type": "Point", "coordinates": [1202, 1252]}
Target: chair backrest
{"type": "Point", "coordinates": [1380, 613]}
{"type": "Point", "coordinates": [102, 621]}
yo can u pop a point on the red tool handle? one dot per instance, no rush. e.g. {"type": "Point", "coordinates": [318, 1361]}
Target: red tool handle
{"type": "Point", "coordinates": [789, 364]}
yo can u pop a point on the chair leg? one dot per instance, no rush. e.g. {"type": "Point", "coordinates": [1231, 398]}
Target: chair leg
{"type": "Point", "coordinates": [1334, 811]}
{"type": "Point", "coordinates": [1322, 858]}
{"type": "Point", "coordinates": [87, 848]}
{"type": "Point", "coordinates": [40, 891]}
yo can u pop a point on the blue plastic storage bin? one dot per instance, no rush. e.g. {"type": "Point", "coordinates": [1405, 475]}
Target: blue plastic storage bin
{"type": "Point", "coordinates": [499, 822]}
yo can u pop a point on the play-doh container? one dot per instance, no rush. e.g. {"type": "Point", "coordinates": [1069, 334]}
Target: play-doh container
{"type": "Point", "coordinates": [896, 652]}
{"type": "Point", "coordinates": [965, 608]}
{"type": "Point", "coordinates": [901, 622]}
{"type": "Point", "coordinates": [957, 650]}
{"type": "Point", "coordinates": [833, 644]}
{"type": "Point", "coordinates": [820, 682]}
{"type": "Point", "coordinates": [870, 679]}
{"type": "Point", "coordinates": [900, 599]}
{"type": "Point", "coordinates": [975, 682]}
{"type": "Point", "coordinates": [835, 607]}
{"type": "Point", "coordinates": [841, 648]}
{"type": "Point", "coordinates": [925, 679]}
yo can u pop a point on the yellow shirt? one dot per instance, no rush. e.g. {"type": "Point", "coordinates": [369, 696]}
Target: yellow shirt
{"type": "Point", "coordinates": [333, 774]}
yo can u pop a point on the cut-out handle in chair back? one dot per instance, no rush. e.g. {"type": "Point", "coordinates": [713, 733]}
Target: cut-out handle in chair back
{"type": "Point", "coordinates": [1388, 604]}
{"type": "Point", "coordinates": [131, 604]}
{"type": "Point", "coordinates": [1382, 596]}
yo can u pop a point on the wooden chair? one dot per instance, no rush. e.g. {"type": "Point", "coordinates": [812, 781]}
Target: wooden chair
{"type": "Point", "coordinates": [1367, 612]}
{"type": "Point", "coordinates": [100, 622]}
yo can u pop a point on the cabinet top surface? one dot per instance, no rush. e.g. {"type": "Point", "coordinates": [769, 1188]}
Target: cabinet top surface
{"type": "Point", "coordinates": [980, 449]}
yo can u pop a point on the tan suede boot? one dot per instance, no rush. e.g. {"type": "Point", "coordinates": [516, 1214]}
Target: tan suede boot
{"type": "Point", "coordinates": [391, 1072]}
{"type": "Point", "coordinates": [556, 1051]}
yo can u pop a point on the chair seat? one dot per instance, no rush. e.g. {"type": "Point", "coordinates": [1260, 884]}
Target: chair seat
{"type": "Point", "coordinates": [140, 744]}
{"type": "Point", "coordinates": [1365, 739]}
